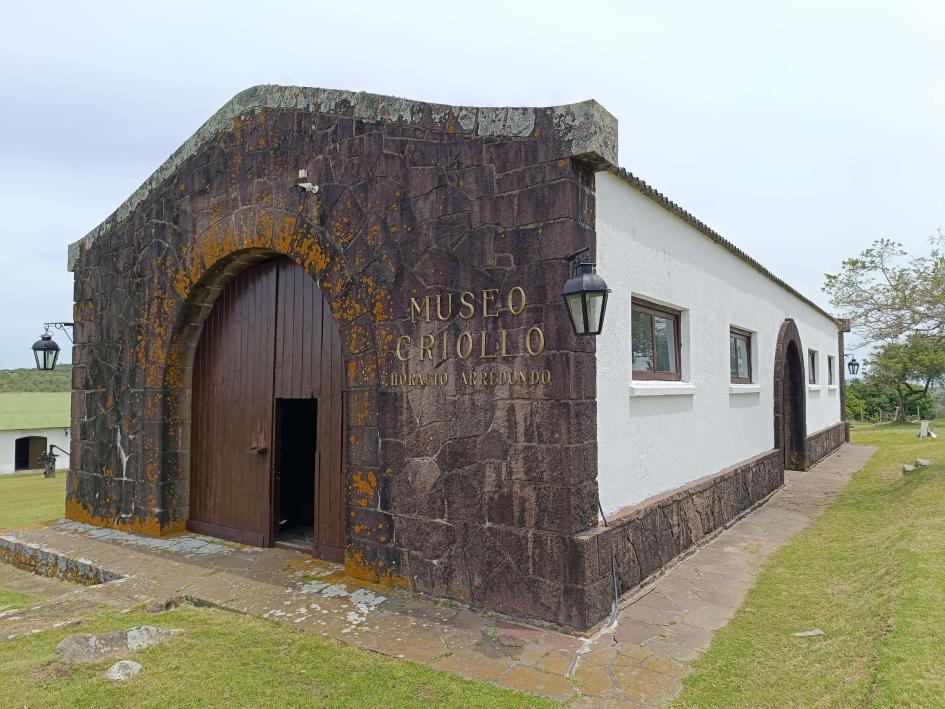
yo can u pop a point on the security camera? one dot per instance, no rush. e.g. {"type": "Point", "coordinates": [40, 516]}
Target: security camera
{"type": "Point", "coordinates": [303, 183]}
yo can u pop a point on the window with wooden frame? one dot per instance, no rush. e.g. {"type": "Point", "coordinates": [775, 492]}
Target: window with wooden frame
{"type": "Point", "coordinates": [739, 348]}
{"type": "Point", "coordinates": [831, 377]}
{"type": "Point", "coordinates": [811, 366]}
{"type": "Point", "coordinates": [654, 331]}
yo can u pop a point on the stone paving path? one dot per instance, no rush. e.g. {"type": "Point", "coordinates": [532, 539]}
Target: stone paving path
{"type": "Point", "coordinates": [639, 662]}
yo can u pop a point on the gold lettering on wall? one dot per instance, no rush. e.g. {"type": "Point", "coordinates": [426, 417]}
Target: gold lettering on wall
{"type": "Point", "coordinates": [497, 345]}
{"type": "Point", "coordinates": [464, 345]}
{"type": "Point", "coordinates": [537, 335]}
{"type": "Point", "coordinates": [521, 300]}
{"type": "Point", "coordinates": [403, 340]}
{"type": "Point", "coordinates": [466, 307]}
{"type": "Point", "coordinates": [416, 311]}
{"type": "Point", "coordinates": [488, 299]}
{"type": "Point", "coordinates": [440, 315]}
{"type": "Point", "coordinates": [426, 347]}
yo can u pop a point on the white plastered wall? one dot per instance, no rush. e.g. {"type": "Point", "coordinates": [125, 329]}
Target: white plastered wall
{"type": "Point", "coordinates": [59, 436]}
{"type": "Point", "coordinates": [655, 436]}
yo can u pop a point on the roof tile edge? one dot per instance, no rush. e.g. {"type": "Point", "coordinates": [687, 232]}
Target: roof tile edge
{"type": "Point", "coordinates": [585, 130]}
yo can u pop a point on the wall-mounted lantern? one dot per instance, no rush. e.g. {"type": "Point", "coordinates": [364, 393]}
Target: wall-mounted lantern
{"type": "Point", "coordinates": [46, 352]}
{"type": "Point", "coordinates": [585, 295]}
{"type": "Point", "coordinates": [45, 349]}
{"type": "Point", "coordinates": [852, 366]}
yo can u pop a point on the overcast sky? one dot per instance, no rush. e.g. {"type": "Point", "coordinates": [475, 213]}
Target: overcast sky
{"type": "Point", "coordinates": [801, 131]}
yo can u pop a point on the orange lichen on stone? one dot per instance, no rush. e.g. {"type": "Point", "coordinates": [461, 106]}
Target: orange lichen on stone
{"type": "Point", "coordinates": [361, 410]}
{"type": "Point", "coordinates": [148, 527]}
{"type": "Point", "coordinates": [358, 338]}
{"type": "Point", "coordinates": [347, 308]}
{"type": "Point", "coordinates": [364, 486]}
{"type": "Point", "coordinates": [383, 305]}
{"type": "Point", "coordinates": [314, 257]}
{"type": "Point", "coordinates": [357, 567]}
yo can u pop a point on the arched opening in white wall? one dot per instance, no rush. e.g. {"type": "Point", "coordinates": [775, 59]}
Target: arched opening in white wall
{"type": "Point", "coordinates": [790, 399]}
{"type": "Point", "coordinates": [27, 452]}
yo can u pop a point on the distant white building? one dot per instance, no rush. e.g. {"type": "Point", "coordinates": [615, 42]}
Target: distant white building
{"type": "Point", "coordinates": [29, 423]}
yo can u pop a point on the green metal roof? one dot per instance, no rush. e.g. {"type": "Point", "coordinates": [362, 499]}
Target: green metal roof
{"type": "Point", "coordinates": [34, 409]}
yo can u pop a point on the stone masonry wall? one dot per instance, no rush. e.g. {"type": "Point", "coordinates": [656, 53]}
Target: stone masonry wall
{"type": "Point", "coordinates": [469, 488]}
{"type": "Point", "coordinates": [824, 442]}
{"type": "Point", "coordinates": [649, 535]}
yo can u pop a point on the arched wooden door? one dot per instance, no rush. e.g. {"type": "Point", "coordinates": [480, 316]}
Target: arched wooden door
{"type": "Point", "coordinates": [266, 427]}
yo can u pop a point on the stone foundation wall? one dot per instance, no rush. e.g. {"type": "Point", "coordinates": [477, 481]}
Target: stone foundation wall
{"type": "Point", "coordinates": [649, 535]}
{"type": "Point", "coordinates": [824, 442]}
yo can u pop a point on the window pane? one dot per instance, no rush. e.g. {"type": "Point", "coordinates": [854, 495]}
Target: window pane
{"type": "Point", "coordinates": [742, 343]}
{"type": "Point", "coordinates": [733, 355]}
{"type": "Point", "coordinates": [575, 305]}
{"type": "Point", "coordinates": [594, 303]}
{"type": "Point", "coordinates": [641, 328]}
{"type": "Point", "coordinates": [665, 344]}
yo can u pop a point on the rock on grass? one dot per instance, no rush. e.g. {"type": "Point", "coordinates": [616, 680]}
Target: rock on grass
{"type": "Point", "coordinates": [91, 647]}
{"type": "Point", "coordinates": [123, 670]}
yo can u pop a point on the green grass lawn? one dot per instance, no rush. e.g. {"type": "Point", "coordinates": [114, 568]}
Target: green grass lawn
{"type": "Point", "coordinates": [223, 659]}
{"type": "Point", "coordinates": [27, 498]}
{"type": "Point", "coordinates": [870, 572]}
{"type": "Point", "coordinates": [227, 660]}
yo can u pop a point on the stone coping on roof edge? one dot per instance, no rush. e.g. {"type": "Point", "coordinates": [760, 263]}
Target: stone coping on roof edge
{"type": "Point", "coordinates": [585, 130]}
{"type": "Point", "coordinates": [666, 203]}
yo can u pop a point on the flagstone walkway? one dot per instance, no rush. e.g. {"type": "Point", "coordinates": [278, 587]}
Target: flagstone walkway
{"type": "Point", "coordinates": [639, 662]}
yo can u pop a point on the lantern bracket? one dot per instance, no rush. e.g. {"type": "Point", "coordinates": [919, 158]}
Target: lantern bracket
{"type": "Point", "coordinates": [60, 326]}
{"type": "Point", "coordinates": [578, 257]}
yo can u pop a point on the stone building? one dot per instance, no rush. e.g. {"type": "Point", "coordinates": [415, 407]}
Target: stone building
{"type": "Point", "coordinates": [382, 371]}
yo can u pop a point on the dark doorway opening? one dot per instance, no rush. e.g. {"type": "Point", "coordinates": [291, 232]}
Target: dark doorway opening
{"type": "Point", "coordinates": [27, 452]}
{"type": "Point", "coordinates": [790, 398]}
{"type": "Point", "coordinates": [296, 470]}
{"type": "Point", "coordinates": [794, 432]}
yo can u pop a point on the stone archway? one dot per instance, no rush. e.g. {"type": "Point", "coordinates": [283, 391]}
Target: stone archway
{"type": "Point", "coordinates": [201, 274]}
{"type": "Point", "coordinates": [790, 398]}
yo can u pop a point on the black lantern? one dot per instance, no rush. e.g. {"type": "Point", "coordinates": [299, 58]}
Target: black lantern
{"type": "Point", "coordinates": [585, 295]}
{"type": "Point", "coordinates": [853, 366]}
{"type": "Point", "coordinates": [46, 352]}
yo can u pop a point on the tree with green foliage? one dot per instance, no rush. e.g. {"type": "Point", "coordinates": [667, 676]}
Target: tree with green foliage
{"type": "Point", "coordinates": [889, 295]}
{"type": "Point", "coordinates": [870, 401]}
{"type": "Point", "coordinates": [908, 370]}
